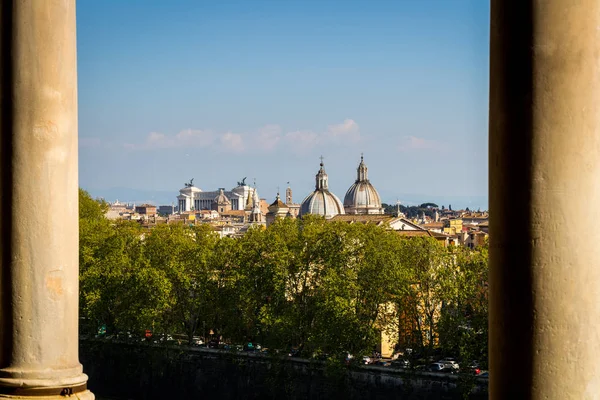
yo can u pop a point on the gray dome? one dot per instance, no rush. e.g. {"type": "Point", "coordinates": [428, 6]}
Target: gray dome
{"type": "Point", "coordinates": [322, 201]}
{"type": "Point", "coordinates": [362, 197]}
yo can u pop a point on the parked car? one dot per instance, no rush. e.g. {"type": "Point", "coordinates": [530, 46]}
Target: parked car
{"type": "Point", "coordinates": [294, 353]}
{"type": "Point", "coordinates": [474, 368]}
{"type": "Point", "coordinates": [450, 362]}
{"type": "Point", "coordinates": [348, 359]}
{"type": "Point", "coordinates": [401, 363]}
{"type": "Point", "coordinates": [435, 367]}
{"type": "Point", "coordinates": [440, 367]}
{"type": "Point", "coordinates": [250, 346]}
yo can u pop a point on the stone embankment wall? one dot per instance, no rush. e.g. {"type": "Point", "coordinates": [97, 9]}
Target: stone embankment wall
{"type": "Point", "coordinates": [141, 371]}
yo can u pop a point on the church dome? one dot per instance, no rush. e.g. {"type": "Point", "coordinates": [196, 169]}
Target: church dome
{"type": "Point", "coordinates": [322, 201]}
{"type": "Point", "coordinates": [362, 197]}
{"type": "Point", "coordinates": [221, 198]}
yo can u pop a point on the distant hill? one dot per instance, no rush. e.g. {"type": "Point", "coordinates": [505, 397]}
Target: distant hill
{"type": "Point", "coordinates": [165, 197]}
{"type": "Point", "coordinates": [138, 196]}
{"type": "Point", "coordinates": [457, 202]}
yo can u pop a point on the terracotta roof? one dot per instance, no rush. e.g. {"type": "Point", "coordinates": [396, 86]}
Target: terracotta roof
{"type": "Point", "coordinates": [411, 233]}
{"type": "Point", "coordinates": [475, 215]}
{"type": "Point", "coordinates": [435, 235]}
{"type": "Point", "coordinates": [278, 203]}
{"type": "Point", "coordinates": [366, 218]}
{"type": "Point", "coordinates": [237, 213]}
{"type": "Point", "coordinates": [440, 235]}
{"type": "Point", "coordinates": [433, 225]}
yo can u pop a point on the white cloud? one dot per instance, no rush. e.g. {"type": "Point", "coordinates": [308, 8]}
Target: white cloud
{"type": "Point", "coordinates": [232, 142]}
{"type": "Point", "coordinates": [415, 143]}
{"type": "Point", "coordinates": [194, 138]}
{"type": "Point", "coordinates": [346, 131]}
{"type": "Point", "coordinates": [269, 137]}
{"type": "Point", "coordinates": [302, 140]}
{"type": "Point", "coordinates": [89, 142]}
{"type": "Point", "coordinates": [266, 139]}
{"type": "Point", "coordinates": [185, 138]}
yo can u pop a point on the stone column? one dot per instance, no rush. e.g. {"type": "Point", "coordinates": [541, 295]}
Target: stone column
{"type": "Point", "coordinates": [39, 201]}
{"type": "Point", "coordinates": [544, 199]}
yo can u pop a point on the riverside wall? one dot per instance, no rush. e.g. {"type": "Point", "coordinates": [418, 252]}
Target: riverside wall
{"type": "Point", "coordinates": [143, 371]}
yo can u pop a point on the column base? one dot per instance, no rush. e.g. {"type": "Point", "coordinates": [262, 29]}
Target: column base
{"type": "Point", "coordinates": [58, 392]}
{"type": "Point", "coordinates": [85, 395]}
{"type": "Point", "coordinates": [61, 390]}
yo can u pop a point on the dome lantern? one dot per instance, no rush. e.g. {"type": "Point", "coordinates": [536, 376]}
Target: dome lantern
{"type": "Point", "coordinates": [362, 171]}
{"type": "Point", "coordinates": [362, 197]}
{"type": "Point", "coordinates": [322, 201]}
{"type": "Point", "coordinates": [321, 178]}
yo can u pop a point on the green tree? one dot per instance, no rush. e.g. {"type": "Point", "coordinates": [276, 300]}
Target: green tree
{"type": "Point", "coordinates": [429, 265]}
{"type": "Point", "coordinates": [118, 289]}
{"type": "Point", "coordinates": [360, 283]}
{"type": "Point", "coordinates": [223, 316]}
{"type": "Point", "coordinates": [183, 255]}
{"type": "Point", "coordinates": [464, 320]}
{"type": "Point", "coordinates": [94, 228]}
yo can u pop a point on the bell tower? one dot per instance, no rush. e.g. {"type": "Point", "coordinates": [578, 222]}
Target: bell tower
{"type": "Point", "coordinates": [288, 195]}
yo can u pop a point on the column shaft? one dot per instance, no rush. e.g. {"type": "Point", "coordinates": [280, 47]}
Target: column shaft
{"type": "Point", "coordinates": [39, 199]}
{"type": "Point", "coordinates": [544, 160]}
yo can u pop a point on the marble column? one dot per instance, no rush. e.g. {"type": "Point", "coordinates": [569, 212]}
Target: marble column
{"type": "Point", "coordinates": [544, 159]}
{"type": "Point", "coordinates": [39, 201]}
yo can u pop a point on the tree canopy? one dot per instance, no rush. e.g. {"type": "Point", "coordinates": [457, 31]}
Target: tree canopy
{"type": "Point", "coordinates": [319, 286]}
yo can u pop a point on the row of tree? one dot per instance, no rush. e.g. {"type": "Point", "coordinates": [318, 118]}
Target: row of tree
{"type": "Point", "coordinates": [411, 211]}
{"type": "Point", "coordinates": [308, 283]}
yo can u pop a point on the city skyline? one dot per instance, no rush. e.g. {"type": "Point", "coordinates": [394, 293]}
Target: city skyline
{"type": "Point", "coordinates": [216, 92]}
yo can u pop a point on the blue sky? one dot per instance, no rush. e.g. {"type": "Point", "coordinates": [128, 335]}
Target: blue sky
{"type": "Point", "coordinates": [221, 90]}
